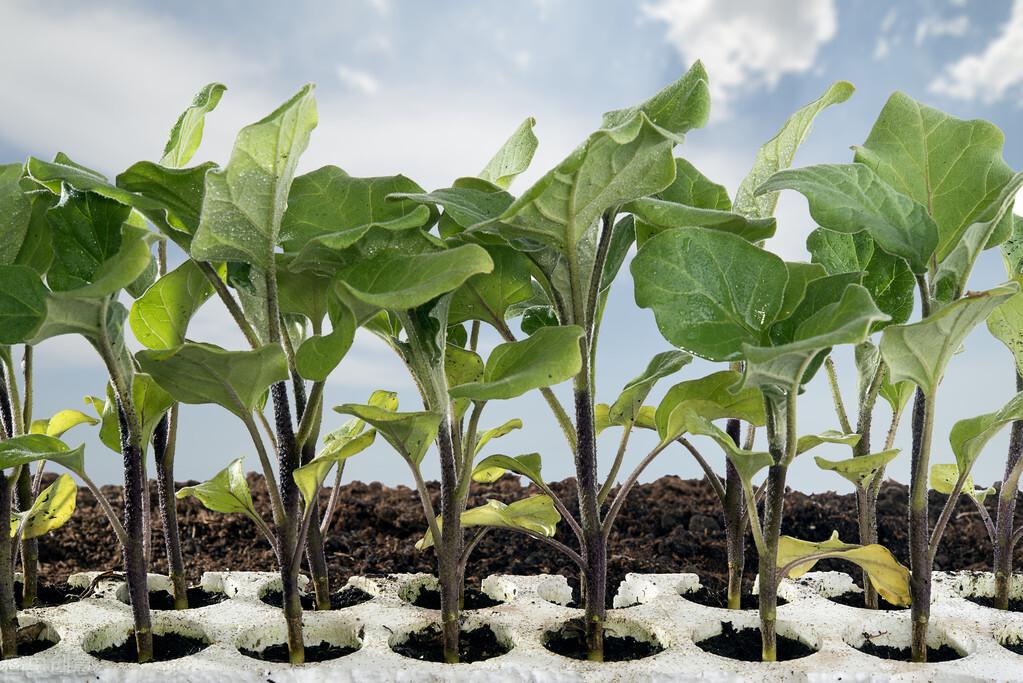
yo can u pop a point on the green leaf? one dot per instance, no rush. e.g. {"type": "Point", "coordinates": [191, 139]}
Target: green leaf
{"type": "Point", "coordinates": [245, 202]}
{"type": "Point", "coordinates": [63, 171]}
{"type": "Point", "coordinates": [160, 317]}
{"type": "Point", "coordinates": [22, 304]}
{"type": "Point", "coordinates": [468, 202]}
{"type": "Point", "coordinates": [712, 398]}
{"type": "Point", "coordinates": [61, 422]}
{"type": "Point", "coordinates": [944, 477]}
{"type": "Point", "coordinates": [921, 351]}
{"type": "Point", "coordinates": [850, 198]}
{"type": "Point", "coordinates": [896, 394]}
{"type": "Point", "coordinates": [51, 509]}
{"type": "Point", "coordinates": [226, 492]}
{"type": "Point", "coordinates": [1006, 325]}
{"type": "Point", "coordinates": [678, 107]}
{"type": "Point", "coordinates": [811, 441]}
{"type": "Point", "coordinates": [630, 401]}
{"type": "Point", "coordinates": [309, 477]}
{"type": "Point", "coordinates": [173, 197]}
{"type": "Point", "coordinates": [29, 448]}
{"type": "Point", "coordinates": [318, 355]}
{"type": "Point", "coordinates": [493, 467]}
{"type": "Point", "coordinates": [969, 437]}
{"type": "Point", "coordinates": [692, 188]}
{"type": "Point", "coordinates": [858, 470]}
{"type": "Point", "coordinates": [685, 418]}
{"type": "Point", "coordinates": [488, 296]}
{"type": "Point", "coordinates": [205, 373]}
{"type": "Point", "coordinates": [15, 212]}
{"type": "Point", "coordinates": [548, 357]}
{"type": "Point", "coordinates": [514, 156]}
{"type": "Point", "coordinates": [889, 578]}
{"type": "Point", "coordinates": [710, 291]}
{"type": "Point", "coordinates": [329, 209]}
{"type": "Point", "coordinates": [656, 215]}
{"type": "Point", "coordinates": [778, 152]}
{"type": "Point", "coordinates": [408, 433]}
{"type": "Point", "coordinates": [613, 166]}
{"type": "Point", "coordinates": [800, 276]}
{"type": "Point", "coordinates": [535, 514]}
{"type": "Point", "coordinates": [951, 166]}
{"type": "Point", "coordinates": [496, 433]}
{"type": "Point", "coordinates": [186, 134]}
{"type": "Point", "coordinates": [36, 250]}
{"type": "Point", "coordinates": [151, 403]}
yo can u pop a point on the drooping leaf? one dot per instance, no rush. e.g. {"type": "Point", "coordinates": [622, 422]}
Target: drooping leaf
{"type": "Point", "coordinates": [493, 467]}
{"type": "Point", "coordinates": [548, 357]}
{"type": "Point", "coordinates": [858, 470]}
{"type": "Point", "coordinates": [51, 509]}
{"type": "Point", "coordinates": [62, 171]}
{"type": "Point", "coordinates": [710, 291]}
{"type": "Point", "coordinates": [685, 419]}
{"type": "Point", "coordinates": [244, 202]}
{"type": "Point", "coordinates": [318, 355]}
{"type": "Point", "coordinates": [810, 441]}
{"type": "Point", "coordinates": [227, 492]}
{"type": "Point", "coordinates": [778, 152]}
{"type": "Point", "coordinates": [467, 202]}
{"type": "Point", "coordinates": [186, 134]}
{"type": "Point", "coordinates": [535, 514]}
{"type": "Point", "coordinates": [889, 578]}
{"type": "Point", "coordinates": [160, 317]}
{"type": "Point", "coordinates": [174, 196]}
{"type": "Point", "coordinates": [22, 304]}
{"type": "Point", "coordinates": [630, 400]}
{"type": "Point", "coordinates": [712, 398]}
{"type": "Point", "coordinates": [678, 107]}
{"type": "Point", "coordinates": [309, 477]}
{"type": "Point", "coordinates": [951, 166]}
{"type": "Point", "coordinates": [921, 351]}
{"type": "Point", "coordinates": [944, 477]}
{"type": "Point", "coordinates": [205, 373]}
{"type": "Point", "coordinates": [896, 394]}
{"type": "Point", "coordinates": [408, 433]}
{"type": "Point", "coordinates": [514, 156]}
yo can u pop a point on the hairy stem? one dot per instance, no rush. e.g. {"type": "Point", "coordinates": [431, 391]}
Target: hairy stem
{"type": "Point", "coordinates": [735, 526]}
{"type": "Point", "coordinates": [919, 538]}
{"type": "Point", "coordinates": [1006, 510]}
{"type": "Point", "coordinates": [8, 611]}
{"type": "Point", "coordinates": [449, 545]}
{"type": "Point", "coordinates": [164, 442]}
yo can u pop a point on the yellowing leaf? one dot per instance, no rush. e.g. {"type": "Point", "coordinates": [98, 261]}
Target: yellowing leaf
{"type": "Point", "coordinates": [53, 507]}
{"type": "Point", "coordinates": [535, 514]}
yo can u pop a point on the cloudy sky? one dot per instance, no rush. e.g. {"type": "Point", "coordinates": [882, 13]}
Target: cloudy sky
{"type": "Point", "coordinates": [431, 89]}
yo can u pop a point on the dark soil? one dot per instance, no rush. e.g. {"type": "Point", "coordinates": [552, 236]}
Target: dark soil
{"type": "Point", "coordinates": [473, 646]}
{"type": "Point", "coordinates": [197, 597]}
{"type": "Point", "coordinates": [30, 641]}
{"type": "Point", "coordinates": [1015, 604]}
{"type": "Point", "coordinates": [472, 598]}
{"type": "Point", "coordinates": [855, 599]}
{"type": "Point", "coordinates": [349, 596]}
{"type": "Point", "coordinates": [902, 654]}
{"type": "Point", "coordinates": [570, 641]}
{"type": "Point", "coordinates": [745, 645]}
{"type": "Point", "coordinates": [323, 652]}
{"type": "Point", "coordinates": [49, 595]}
{"type": "Point", "coordinates": [719, 598]}
{"type": "Point", "coordinates": [669, 525]}
{"type": "Point", "coordinates": [166, 646]}
{"type": "Point", "coordinates": [1016, 647]}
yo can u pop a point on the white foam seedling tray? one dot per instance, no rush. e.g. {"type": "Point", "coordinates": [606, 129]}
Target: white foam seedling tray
{"type": "Point", "coordinates": [521, 621]}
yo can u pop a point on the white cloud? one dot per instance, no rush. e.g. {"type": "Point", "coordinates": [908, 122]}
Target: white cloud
{"type": "Point", "coordinates": [358, 80]}
{"type": "Point", "coordinates": [747, 45]}
{"type": "Point", "coordinates": [936, 27]}
{"type": "Point", "coordinates": [886, 40]}
{"type": "Point", "coordinates": [889, 20]}
{"type": "Point", "coordinates": [991, 74]}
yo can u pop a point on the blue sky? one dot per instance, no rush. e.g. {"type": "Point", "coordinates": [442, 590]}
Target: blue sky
{"type": "Point", "coordinates": [431, 89]}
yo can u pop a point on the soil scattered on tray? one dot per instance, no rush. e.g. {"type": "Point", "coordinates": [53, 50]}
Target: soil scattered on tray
{"type": "Point", "coordinates": [903, 654]}
{"type": "Point", "coordinates": [668, 525]}
{"type": "Point", "coordinates": [472, 598]}
{"type": "Point", "coordinates": [322, 652]}
{"type": "Point", "coordinates": [166, 646]}
{"type": "Point", "coordinates": [719, 598]}
{"type": "Point", "coordinates": [570, 641]}
{"type": "Point", "coordinates": [745, 645]}
{"type": "Point", "coordinates": [349, 596]}
{"type": "Point", "coordinates": [855, 599]}
{"type": "Point", "coordinates": [427, 645]}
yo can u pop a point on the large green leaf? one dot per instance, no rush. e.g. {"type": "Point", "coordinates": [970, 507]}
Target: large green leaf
{"type": "Point", "coordinates": [54, 175]}
{"type": "Point", "coordinates": [655, 215]}
{"type": "Point", "coordinates": [535, 514]}
{"type": "Point", "coordinates": [634, 393]}
{"type": "Point", "coordinates": [15, 212]}
{"type": "Point", "coordinates": [160, 317]}
{"type": "Point", "coordinates": [692, 188]}
{"type": "Point", "coordinates": [408, 433]}
{"type": "Point", "coordinates": [173, 196]}
{"type": "Point", "coordinates": [318, 355]}
{"type": "Point", "coordinates": [678, 107]}
{"type": "Point", "coordinates": [889, 578]}
{"type": "Point", "coordinates": [333, 210]}
{"type": "Point", "coordinates": [186, 134]}
{"type": "Point", "coordinates": [712, 398]}
{"type": "Point", "coordinates": [50, 510]}
{"type": "Point", "coordinates": [514, 156]}
{"type": "Point", "coordinates": [711, 292]}
{"type": "Point", "coordinates": [488, 296]}
{"type": "Point", "coordinates": [921, 351]}
{"type": "Point", "coordinates": [468, 202]}
{"type": "Point", "coordinates": [548, 357]}
{"type": "Point", "coordinates": [204, 373]}
{"type": "Point", "coordinates": [850, 198]}
{"type": "Point", "coordinates": [36, 250]}
{"type": "Point", "coordinates": [951, 166]}
{"type": "Point", "coordinates": [245, 202]}
{"type": "Point", "coordinates": [227, 491]}
{"type": "Point", "coordinates": [613, 166]}
{"type": "Point", "coordinates": [22, 304]}
{"type": "Point", "coordinates": [858, 470]}
{"type": "Point", "coordinates": [778, 152]}
{"type": "Point", "coordinates": [29, 448]}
